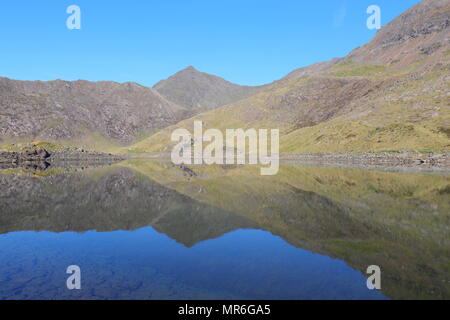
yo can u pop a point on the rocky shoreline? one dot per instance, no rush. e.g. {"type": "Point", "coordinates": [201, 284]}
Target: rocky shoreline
{"type": "Point", "coordinates": [405, 159]}
{"type": "Point", "coordinates": [32, 154]}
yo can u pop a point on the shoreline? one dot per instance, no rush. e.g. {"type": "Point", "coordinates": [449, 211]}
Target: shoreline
{"type": "Point", "coordinates": [406, 159]}
{"type": "Point", "coordinates": [395, 160]}
{"type": "Point", "coordinates": [402, 159]}
{"type": "Point", "coordinates": [35, 154]}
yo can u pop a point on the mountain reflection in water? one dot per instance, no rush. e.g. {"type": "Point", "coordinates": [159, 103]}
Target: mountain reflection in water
{"type": "Point", "coordinates": [148, 230]}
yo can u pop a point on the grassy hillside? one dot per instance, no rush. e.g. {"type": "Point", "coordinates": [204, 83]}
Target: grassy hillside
{"type": "Point", "coordinates": [350, 107]}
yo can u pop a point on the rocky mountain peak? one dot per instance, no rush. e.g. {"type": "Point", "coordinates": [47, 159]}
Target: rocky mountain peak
{"type": "Point", "coordinates": [193, 89]}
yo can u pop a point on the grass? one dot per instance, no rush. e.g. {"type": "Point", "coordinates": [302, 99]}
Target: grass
{"type": "Point", "coordinates": [18, 146]}
{"type": "Point", "coordinates": [31, 173]}
{"type": "Point", "coordinates": [48, 146]}
{"type": "Point", "coordinates": [348, 69]}
{"type": "Point", "coordinates": [356, 136]}
{"type": "Point", "coordinates": [93, 141]}
{"type": "Point", "coordinates": [54, 122]}
{"type": "Point", "coordinates": [398, 113]}
{"type": "Point", "coordinates": [9, 148]}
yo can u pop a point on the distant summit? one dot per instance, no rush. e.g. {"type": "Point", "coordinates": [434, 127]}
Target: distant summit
{"type": "Point", "coordinates": [200, 91]}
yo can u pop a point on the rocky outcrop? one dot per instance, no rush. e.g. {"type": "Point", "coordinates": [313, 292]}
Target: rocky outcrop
{"type": "Point", "coordinates": [30, 155]}
{"type": "Point", "coordinates": [427, 17]}
{"type": "Point", "coordinates": [56, 110]}
{"type": "Point", "coordinates": [423, 29]}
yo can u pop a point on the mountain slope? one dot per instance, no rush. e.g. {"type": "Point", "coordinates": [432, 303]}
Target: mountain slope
{"type": "Point", "coordinates": [407, 105]}
{"type": "Point", "coordinates": [383, 96]}
{"type": "Point", "coordinates": [82, 111]}
{"type": "Point", "coordinates": [419, 31]}
{"type": "Point", "coordinates": [423, 29]}
{"type": "Point", "coordinates": [200, 91]}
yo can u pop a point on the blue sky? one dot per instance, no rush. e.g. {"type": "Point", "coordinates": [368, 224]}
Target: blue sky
{"type": "Point", "coordinates": [245, 41]}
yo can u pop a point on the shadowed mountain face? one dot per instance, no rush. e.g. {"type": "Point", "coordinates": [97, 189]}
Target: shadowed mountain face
{"type": "Point", "coordinates": [104, 114]}
{"type": "Point", "coordinates": [82, 110]}
{"type": "Point", "coordinates": [200, 91]}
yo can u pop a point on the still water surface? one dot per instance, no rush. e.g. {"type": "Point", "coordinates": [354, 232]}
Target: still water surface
{"type": "Point", "coordinates": [148, 230]}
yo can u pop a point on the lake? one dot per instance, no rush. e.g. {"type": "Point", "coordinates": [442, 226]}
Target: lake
{"type": "Point", "coordinates": [145, 229]}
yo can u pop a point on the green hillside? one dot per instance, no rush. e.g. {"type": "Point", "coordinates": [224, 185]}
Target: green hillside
{"type": "Point", "coordinates": [380, 109]}
{"type": "Point", "coordinates": [390, 94]}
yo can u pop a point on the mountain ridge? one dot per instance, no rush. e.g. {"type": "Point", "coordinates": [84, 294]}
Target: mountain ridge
{"type": "Point", "coordinates": [71, 110]}
{"type": "Point", "coordinates": [434, 17]}
{"type": "Point", "coordinates": [389, 94]}
{"type": "Point", "coordinates": [99, 114]}
{"type": "Point", "coordinates": [193, 89]}
{"type": "Point", "coordinates": [375, 99]}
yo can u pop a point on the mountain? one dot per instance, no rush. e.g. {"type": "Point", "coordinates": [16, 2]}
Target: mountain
{"type": "Point", "coordinates": [196, 90]}
{"type": "Point", "coordinates": [106, 115]}
{"type": "Point", "coordinates": [422, 30]}
{"type": "Point", "coordinates": [391, 94]}
{"type": "Point", "coordinates": [95, 113]}
{"type": "Point", "coordinates": [419, 31]}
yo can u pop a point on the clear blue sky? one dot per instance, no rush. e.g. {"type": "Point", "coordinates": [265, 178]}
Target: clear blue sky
{"type": "Point", "coordinates": [245, 41]}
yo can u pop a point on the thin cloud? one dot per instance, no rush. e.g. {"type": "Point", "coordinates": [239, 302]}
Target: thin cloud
{"type": "Point", "coordinates": [339, 17]}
